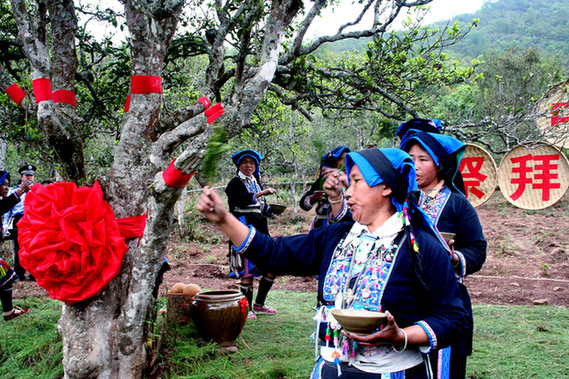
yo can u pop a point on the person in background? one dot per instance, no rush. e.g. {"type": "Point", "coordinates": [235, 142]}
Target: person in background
{"type": "Point", "coordinates": [7, 275]}
{"type": "Point", "coordinates": [27, 175]}
{"type": "Point", "coordinates": [389, 258]}
{"type": "Point", "coordinates": [246, 198]}
{"type": "Point", "coordinates": [437, 158]}
{"type": "Point", "coordinates": [429, 126]}
{"type": "Point", "coordinates": [333, 159]}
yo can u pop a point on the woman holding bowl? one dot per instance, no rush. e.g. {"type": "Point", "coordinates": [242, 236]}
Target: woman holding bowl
{"type": "Point", "coordinates": [388, 259]}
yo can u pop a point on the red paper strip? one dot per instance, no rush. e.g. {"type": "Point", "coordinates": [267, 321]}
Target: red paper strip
{"type": "Point", "coordinates": [16, 93]}
{"type": "Point", "coordinates": [64, 96]}
{"type": "Point", "coordinates": [145, 84]}
{"type": "Point", "coordinates": [213, 113]}
{"type": "Point", "coordinates": [175, 178]}
{"type": "Point", "coordinates": [205, 101]}
{"type": "Point", "coordinates": [127, 104]}
{"type": "Point", "coordinates": [42, 89]}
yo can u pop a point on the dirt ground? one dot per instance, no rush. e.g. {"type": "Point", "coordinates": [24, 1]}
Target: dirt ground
{"type": "Point", "coordinates": [527, 262]}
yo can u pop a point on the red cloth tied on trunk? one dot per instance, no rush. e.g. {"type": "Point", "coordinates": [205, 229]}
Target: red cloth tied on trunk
{"type": "Point", "coordinates": [176, 178]}
{"type": "Point", "coordinates": [145, 84]}
{"type": "Point", "coordinates": [16, 93]}
{"type": "Point", "coordinates": [205, 102]}
{"type": "Point", "coordinates": [42, 89]}
{"type": "Point", "coordinates": [70, 240]}
{"type": "Point", "coordinates": [64, 96]}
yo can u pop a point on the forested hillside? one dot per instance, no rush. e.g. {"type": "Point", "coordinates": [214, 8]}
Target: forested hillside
{"type": "Point", "coordinates": [540, 24]}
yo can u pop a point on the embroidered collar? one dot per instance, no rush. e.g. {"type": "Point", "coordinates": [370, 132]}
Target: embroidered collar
{"type": "Point", "coordinates": [243, 176]}
{"type": "Point", "coordinates": [385, 233]}
{"type": "Point", "coordinates": [433, 192]}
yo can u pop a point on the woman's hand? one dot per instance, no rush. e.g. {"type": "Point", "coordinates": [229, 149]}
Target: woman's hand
{"type": "Point", "coordinates": [266, 191]}
{"type": "Point", "coordinates": [389, 334]}
{"type": "Point", "coordinates": [211, 205]}
{"type": "Point", "coordinates": [317, 196]}
{"type": "Point", "coordinates": [335, 183]}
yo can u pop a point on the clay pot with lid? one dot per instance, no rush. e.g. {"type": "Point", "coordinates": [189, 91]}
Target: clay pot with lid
{"type": "Point", "coordinates": [219, 315]}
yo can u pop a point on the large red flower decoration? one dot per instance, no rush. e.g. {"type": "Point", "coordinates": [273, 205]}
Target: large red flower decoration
{"type": "Point", "coordinates": [70, 240]}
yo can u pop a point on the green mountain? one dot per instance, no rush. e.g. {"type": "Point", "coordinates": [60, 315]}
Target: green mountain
{"type": "Point", "coordinates": [543, 24]}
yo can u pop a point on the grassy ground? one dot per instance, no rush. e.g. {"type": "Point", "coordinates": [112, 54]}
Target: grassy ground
{"type": "Point", "coordinates": [510, 342]}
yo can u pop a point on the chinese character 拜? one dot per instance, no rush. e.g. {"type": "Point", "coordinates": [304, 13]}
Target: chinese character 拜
{"type": "Point", "coordinates": [543, 170]}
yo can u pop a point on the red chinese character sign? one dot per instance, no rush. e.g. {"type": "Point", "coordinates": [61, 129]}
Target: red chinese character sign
{"type": "Point", "coordinates": [478, 170]}
{"type": "Point", "coordinates": [553, 115]}
{"type": "Point", "coordinates": [534, 177]}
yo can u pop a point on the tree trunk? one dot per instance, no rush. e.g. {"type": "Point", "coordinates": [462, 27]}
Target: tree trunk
{"type": "Point", "coordinates": [3, 148]}
{"type": "Point", "coordinates": [104, 336]}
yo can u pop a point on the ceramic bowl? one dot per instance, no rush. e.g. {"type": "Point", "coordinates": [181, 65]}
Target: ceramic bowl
{"type": "Point", "coordinates": [359, 321]}
{"type": "Point", "coordinates": [277, 209]}
{"type": "Point", "coordinates": [448, 236]}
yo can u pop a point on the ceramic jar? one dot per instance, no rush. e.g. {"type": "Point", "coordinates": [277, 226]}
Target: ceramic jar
{"type": "Point", "coordinates": [219, 315]}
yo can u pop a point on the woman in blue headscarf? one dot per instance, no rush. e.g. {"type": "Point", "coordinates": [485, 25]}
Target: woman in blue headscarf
{"type": "Point", "coordinates": [246, 198]}
{"type": "Point", "coordinates": [387, 259]}
{"type": "Point", "coordinates": [433, 126]}
{"type": "Point", "coordinates": [437, 158]}
{"type": "Point", "coordinates": [316, 195]}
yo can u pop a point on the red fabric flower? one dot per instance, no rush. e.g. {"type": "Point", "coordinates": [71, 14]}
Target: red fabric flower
{"type": "Point", "coordinates": [70, 240]}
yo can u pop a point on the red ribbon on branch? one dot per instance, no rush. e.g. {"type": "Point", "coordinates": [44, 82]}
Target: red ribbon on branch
{"type": "Point", "coordinates": [64, 96]}
{"type": "Point", "coordinates": [140, 84]}
{"type": "Point", "coordinates": [205, 101]}
{"type": "Point", "coordinates": [127, 104]}
{"type": "Point", "coordinates": [213, 113]}
{"type": "Point", "coordinates": [71, 241]}
{"type": "Point", "coordinates": [16, 93]}
{"type": "Point", "coordinates": [42, 89]}
{"type": "Point", "coordinates": [175, 178]}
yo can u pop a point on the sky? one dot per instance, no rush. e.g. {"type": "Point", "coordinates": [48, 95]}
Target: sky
{"type": "Point", "coordinates": [440, 10]}
{"type": "Point", "coordinates": [331, 20]}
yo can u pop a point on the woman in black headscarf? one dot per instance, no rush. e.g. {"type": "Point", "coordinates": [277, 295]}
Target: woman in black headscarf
{"type": "Point", "coordinates": [388, 259]}
{"type": "Point", "coordinates": [246, 198]}
{"type": "Point", "coordinates": [316, 195]}
{"type": "Point", "coordinates": [437, 158]}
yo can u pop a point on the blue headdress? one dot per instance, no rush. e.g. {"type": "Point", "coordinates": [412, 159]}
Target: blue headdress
{"type": "Point", "coordinates": [3, 176]}
{"type": "Point", "coordinates": [419, 124]}
{"type": "Point", "coordinates": [238, 157]}
{"type": "Point", "coordinates": [329, 159]}
{"type": "Point", "coordinates": [446, 152]}
{"type": "Point", "coordinates": [393, 167]}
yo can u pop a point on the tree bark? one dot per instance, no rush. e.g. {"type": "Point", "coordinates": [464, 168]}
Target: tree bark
{"type": "Point", "coordinates": [104, 336]}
